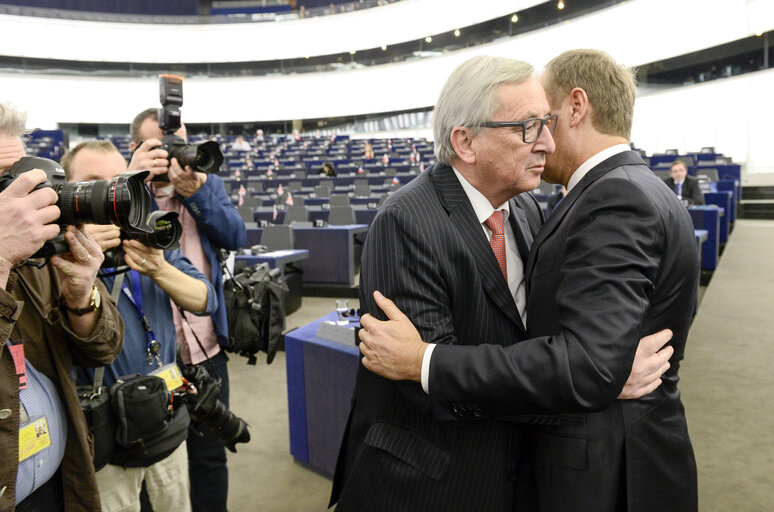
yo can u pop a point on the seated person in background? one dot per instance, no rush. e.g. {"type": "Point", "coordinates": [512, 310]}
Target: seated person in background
{"type": "Point", "coordinates": [155, 277]}
{"type": "Point", "coordinates": [553, 201]}
{"type": "Point", "coordinates": [686, 187]}
{"type": "Point", "coordinates": [240, 144]}
{"type": "Point", "coordinates": [368, 152]}
{"type": "Point", "coordinates": [327, 169]}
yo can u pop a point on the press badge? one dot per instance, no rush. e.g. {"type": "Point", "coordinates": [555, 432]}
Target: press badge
{"type": "Point", "coordinates": [33, 437]}
{"type": "Point", "coordinates": [171, 375]}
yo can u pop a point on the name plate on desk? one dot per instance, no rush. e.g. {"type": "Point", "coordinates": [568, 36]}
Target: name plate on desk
{"type": "Point", "coordinates": [339, 333]}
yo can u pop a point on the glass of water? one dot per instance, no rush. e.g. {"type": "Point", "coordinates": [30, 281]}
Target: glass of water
{"type": "Point", "coordinates": [342, 306]}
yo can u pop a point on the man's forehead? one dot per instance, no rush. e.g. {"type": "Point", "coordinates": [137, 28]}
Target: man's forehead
{"type": "Point", "coordinates": [524, 100]}
{"type": "Point", "coordinates": [89, 164]}
{"type": "Point", "coordinates": [149, 129]}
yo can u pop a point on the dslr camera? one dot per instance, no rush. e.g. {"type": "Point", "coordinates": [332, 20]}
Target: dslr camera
{"type": "Point", "coordinates": [165, 235]}
{"type": "Point", "coordinates": [123, 200]}
{"type": "Point", "coordinates": [205, 406]}
{"type": "Point", "coordinates": [201, 156]}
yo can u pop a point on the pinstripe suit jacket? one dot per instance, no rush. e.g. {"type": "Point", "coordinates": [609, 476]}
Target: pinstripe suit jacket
{"type": "Point", "coordinates": [427, 251]}
{"type": "Point", "coordinates": [615, 261]}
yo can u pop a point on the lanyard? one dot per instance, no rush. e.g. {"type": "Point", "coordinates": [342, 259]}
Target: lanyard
{"type": "Point", "coordinates": [135, 297]}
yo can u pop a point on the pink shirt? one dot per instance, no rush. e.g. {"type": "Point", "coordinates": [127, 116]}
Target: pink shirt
{"type": "Point", "coordinates": [192, 248]}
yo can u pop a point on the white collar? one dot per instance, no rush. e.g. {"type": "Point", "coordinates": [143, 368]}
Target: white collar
{"type": "Point", "coordinates": [592, 162]}
{"type": "Point", "coordinates": [481, 205]}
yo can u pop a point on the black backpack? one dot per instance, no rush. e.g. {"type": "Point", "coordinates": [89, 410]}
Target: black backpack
{"type": "Point", "coordinates": [149, 426]}
{"type": "Point", "coordinates": [255, 302]}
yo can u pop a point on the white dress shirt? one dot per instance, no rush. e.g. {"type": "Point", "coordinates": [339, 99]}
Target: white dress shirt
{"type": "Point", "coordinates": [514, 264]}
{"type": "Point", "coordinates": [592, 162]}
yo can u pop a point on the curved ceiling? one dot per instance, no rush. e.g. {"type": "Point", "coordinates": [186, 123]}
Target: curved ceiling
{"type": "Point", "coordinates": [394, 23]}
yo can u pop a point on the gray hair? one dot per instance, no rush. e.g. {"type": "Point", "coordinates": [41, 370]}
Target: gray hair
{"type": "Point", "coordinates": [12, 121]}
{"type": "Point", "coordinates": [470, 96]}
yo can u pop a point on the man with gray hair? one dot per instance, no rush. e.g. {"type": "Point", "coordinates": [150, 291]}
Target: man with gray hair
{"type": "Point", "coordinates": [51, 317]}
{"type": "Point", "coordinates": [429, 248]}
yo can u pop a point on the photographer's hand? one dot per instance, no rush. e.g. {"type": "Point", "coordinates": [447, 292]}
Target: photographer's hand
{"type": "Point", "coordinates": [107, 236]}
{"type": "Point", "coordinates": [77, 273]}
{"type": "Point", "coordinates": [186, 181]}
{"type": "Point", "coordinates": [148, 156]}
{"type": "Point", "coordinates": [145, 260]}
{"type": "Point", "coordinates": [25, 217]}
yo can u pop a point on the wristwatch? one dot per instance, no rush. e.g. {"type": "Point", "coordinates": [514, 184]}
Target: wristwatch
{"type": "Point", "coordinates": [95, 299]}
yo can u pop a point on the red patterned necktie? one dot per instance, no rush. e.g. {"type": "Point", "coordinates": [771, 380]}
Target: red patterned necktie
{"type": "Point", "coordinates": [497, 241]}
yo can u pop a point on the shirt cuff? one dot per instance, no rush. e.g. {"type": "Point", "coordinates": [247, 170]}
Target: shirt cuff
{"type": "Point", "coordinates": [425, 374]}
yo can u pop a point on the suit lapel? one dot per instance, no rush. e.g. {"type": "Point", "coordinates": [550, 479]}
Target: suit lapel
{"type": "Point", "coordinates": [564, 206]}
{"type": "Point", "coordinates": [457, 205]}
{"type": "Point", "coordinates": [521, 229]}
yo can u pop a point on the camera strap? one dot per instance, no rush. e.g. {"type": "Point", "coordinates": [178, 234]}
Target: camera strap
{"type": "Point", "coordinates": [198, 342]}
{"type": "Point", "coordinates": [99, 372]}
{"type": "Point", "coordinates": [134, 295]}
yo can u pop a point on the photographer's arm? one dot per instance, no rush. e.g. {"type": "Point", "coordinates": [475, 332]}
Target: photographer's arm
{"type": "Point", "coordinates": [191, 293]}
{"type": "Point", "coordinates": [215, 214]}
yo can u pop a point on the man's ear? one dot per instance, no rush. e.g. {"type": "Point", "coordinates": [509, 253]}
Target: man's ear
{"type": "Point", "coordinates": [132, 145]}
{"type": "Point", "coordinates": [579, 106]}
{"type": "Point", "coordinates": [462, 142]}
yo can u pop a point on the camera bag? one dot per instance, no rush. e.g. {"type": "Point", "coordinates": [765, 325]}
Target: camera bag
{"type": "Point", "coordinates": [149, 428]}
{"type": "Point", "coordinates": [95, 403]}
{"type": "Point", "coordinates": [255, 303]}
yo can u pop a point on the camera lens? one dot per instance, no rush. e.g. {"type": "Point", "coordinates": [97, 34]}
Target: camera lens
{"type": "Point", "coordinates": [123, 201]}
{"type": "Point", "coordinates": [201, 156]}
{"type": "Point", "coordinates": [166, 231]}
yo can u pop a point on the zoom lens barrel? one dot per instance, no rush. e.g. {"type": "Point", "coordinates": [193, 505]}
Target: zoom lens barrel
{"type": "Point", "coordinates": [123, 201]}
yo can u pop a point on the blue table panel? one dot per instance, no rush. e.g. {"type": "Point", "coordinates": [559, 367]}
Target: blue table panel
{"type": "Point", "coordinates": [320, 377]}
{"type": "Point", "coordinates": [707, 218]}
{"type": "Point", "coordinates": [723, 200]}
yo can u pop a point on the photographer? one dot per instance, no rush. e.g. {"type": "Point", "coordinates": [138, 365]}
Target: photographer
{"type": "Point", "coordinates": [210, 221]}
{"type": "Point", "coordinates": [51, 317]}
{"type": "Point", "coordinates": [156, 277]}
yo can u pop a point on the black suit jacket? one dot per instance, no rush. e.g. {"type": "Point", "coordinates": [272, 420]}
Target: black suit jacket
{"type": "Point", "coordinates": [615, 261]}
{"type": "Point", "coordinates": [427, 251]}
{"type": "Point", "coordinates": [690, 191]}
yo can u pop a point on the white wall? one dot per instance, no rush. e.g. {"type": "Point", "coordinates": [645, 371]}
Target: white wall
{"type": "Point", "coordinates": [733, 114]}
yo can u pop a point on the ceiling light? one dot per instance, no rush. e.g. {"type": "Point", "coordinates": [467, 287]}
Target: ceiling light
{"type": "Point", "coordinates": [560, 5]}
{"type": "Point", "coordinates": [457, 33]}
{"type": "Point", "coordinates": [514, 18]}
{"type": "Point", "coordinates": [759, 34]}
{"type": "Point", "coordinates": [352, 52]}
{"type": "Point", "coordinates": [384, 47]}
{"type": "Point", "coordinates": [428, 39]}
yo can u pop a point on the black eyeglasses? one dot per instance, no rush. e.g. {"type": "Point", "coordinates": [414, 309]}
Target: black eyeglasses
{"type": "Point", "coordinates": [530, 128]}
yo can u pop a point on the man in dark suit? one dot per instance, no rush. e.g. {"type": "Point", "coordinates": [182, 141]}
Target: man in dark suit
{"type": "Point", "coordinates": [617, 258]}
{"type": "Point", "coordinates": [450, 247]}
{"type": "Point", "coordinates": [685, 187]}
{"type": "Point", "coordinates": [429, 247]}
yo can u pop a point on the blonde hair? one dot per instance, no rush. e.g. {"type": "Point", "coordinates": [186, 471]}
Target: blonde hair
{"type": "Point", "coordinates": [12, 121]}
{"type": "Point", "coordinates": [104, 146]}
{"type": "Point", "coordinates": [470, 96]}
{"type": "Point", "coordinates": [610, 87]}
